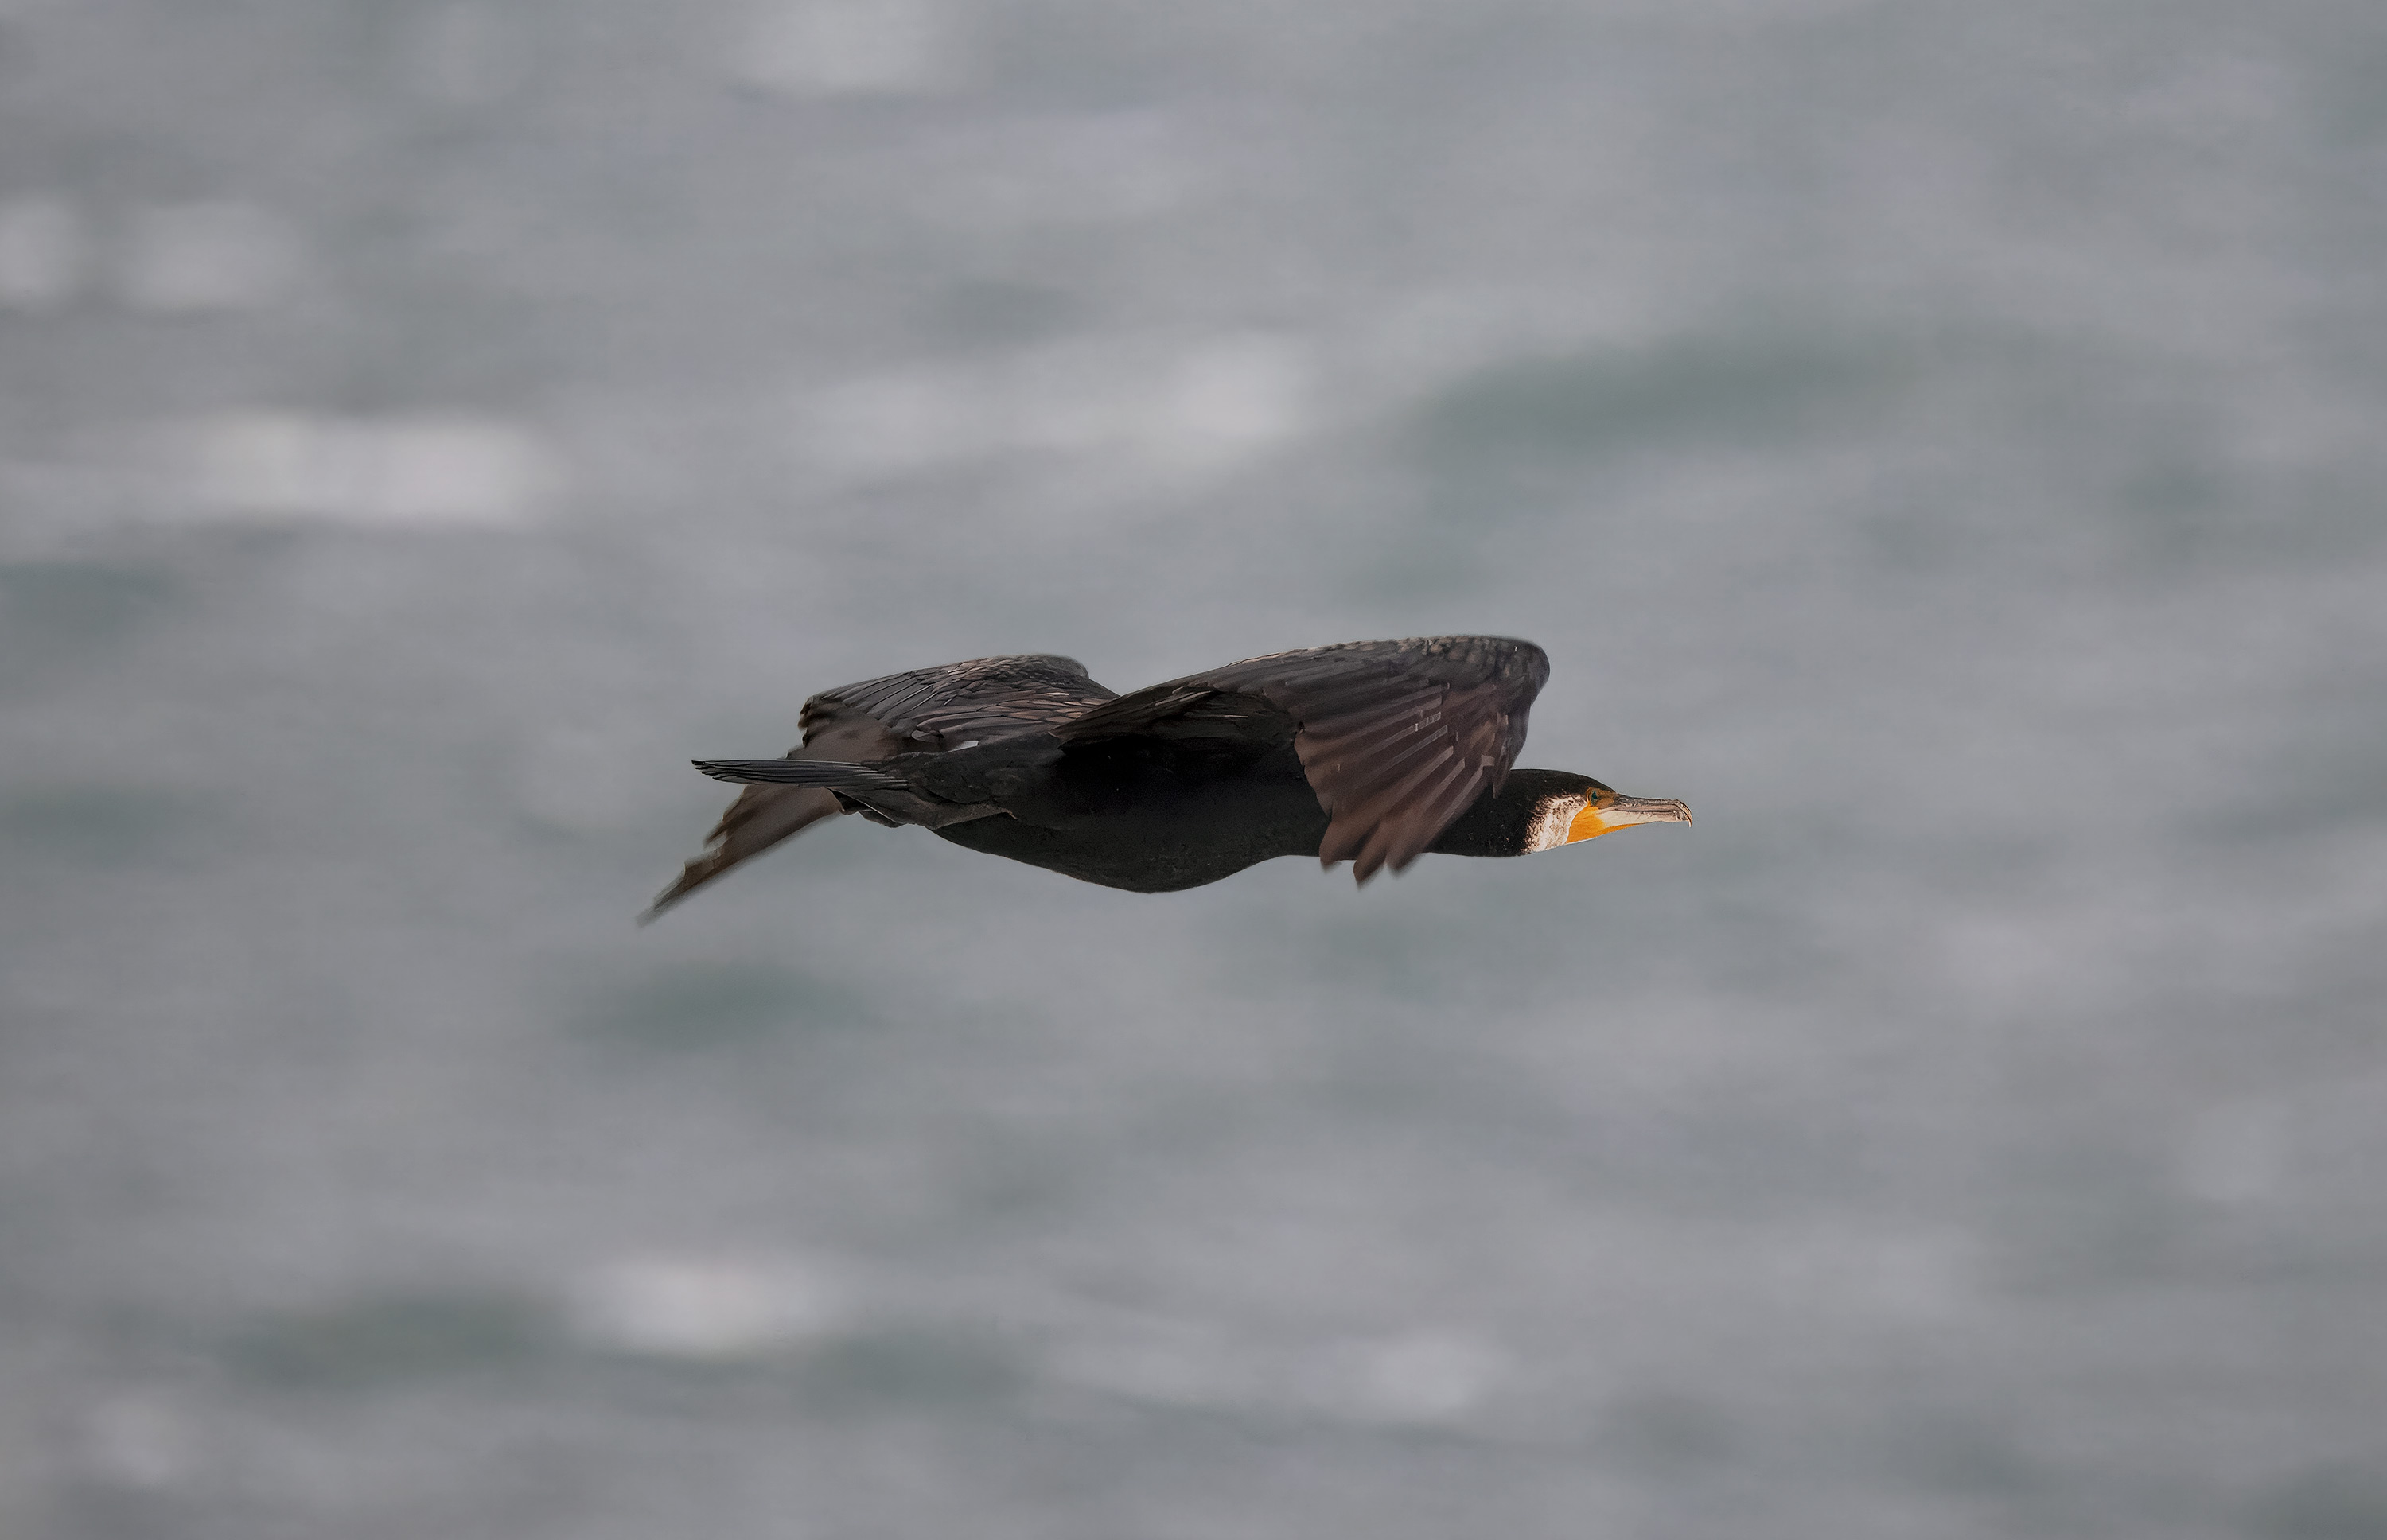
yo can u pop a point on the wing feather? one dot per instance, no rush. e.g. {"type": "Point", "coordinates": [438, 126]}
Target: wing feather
{"type": "Point", "coordinates": [923, 709]}
{"type": "Point", "coordinates": [935, 709]}
{"type": "Point", "coordinates": [1398, 738]}
{"type": "Point", "coordinates": [759, 818]}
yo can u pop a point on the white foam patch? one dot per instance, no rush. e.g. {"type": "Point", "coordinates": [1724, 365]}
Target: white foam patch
{"type": "Point", "coordinates": [1417, 1377]}
{"type": "Point", "coordinates": [1230, 397]}
{"type": "Point", "coordinates": [1197, 407]}
{"type": "Point", "coordinates": [846, 48]}
{"type": "Point", "coordinates": [448, 472]}
{"type": "Point", "coordinates": [892, 424]}
{"type": "Point", "coordinates": [699, 1307]}
{"type": "Point", "coordinates": [195, 259]}
{"type": "Point", "coordinates": [43, 251]}
{"type": "Point", "coordinates": [1424, 1377]}
{"type": "Point", "coordinates": [138, 1441]}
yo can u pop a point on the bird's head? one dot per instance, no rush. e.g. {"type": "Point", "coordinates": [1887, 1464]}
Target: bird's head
{"type": "Point", "coordinates": [1567, 815]}
{"type": "Point", "coordinates": [1540, 810]}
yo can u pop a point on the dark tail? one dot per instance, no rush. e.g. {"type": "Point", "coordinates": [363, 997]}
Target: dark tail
{"type": "Point", "coordinates": [827, 774]}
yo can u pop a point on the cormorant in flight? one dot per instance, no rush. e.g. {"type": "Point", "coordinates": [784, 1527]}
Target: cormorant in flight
{"type": "Point", "coordinates": [1371, 752]}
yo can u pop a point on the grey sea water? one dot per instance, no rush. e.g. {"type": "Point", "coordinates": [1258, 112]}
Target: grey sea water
{"type": "Point", "coordinates": [1941, 443]}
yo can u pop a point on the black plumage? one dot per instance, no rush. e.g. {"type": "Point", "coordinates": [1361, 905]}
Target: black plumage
{"type": "Point", "coordinates": [1373, 752]}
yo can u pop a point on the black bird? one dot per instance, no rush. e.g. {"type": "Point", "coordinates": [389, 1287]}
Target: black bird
{"type": "Point", "coordinates": [1371, 752]}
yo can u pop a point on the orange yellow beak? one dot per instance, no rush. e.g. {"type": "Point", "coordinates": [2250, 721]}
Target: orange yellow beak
{"type": "Point", "coordinates": [1598, 818]}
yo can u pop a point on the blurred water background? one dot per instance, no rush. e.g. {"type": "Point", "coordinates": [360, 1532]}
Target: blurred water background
{"type": "Point", "coordinates": [1940, 442]}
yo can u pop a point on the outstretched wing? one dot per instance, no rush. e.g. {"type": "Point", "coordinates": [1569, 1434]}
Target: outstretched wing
{"type": "Point", "coordinates": [759, 818]}
{"type": "Point", "coordinates": [927, 710]}
{"type": "Point", "coordinates": [1397, 738]}
{"type": "Point", "coordinates": [930, 710]}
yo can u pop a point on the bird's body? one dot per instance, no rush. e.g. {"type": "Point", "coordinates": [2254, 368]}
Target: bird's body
{"type": "Point", "coordinates": [1373, 752]}
{"type": "Point", "coordinates": [1156, 820]}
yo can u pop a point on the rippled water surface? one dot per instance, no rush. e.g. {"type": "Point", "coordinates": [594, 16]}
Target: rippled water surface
{"type": "Point", "coordinates": [1939, 443]}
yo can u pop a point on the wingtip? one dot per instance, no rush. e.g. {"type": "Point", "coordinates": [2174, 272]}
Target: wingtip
{"type": "Point", "coordinates": [1363, 871]}
{"type": "Point", "coordinates": [688, 882]}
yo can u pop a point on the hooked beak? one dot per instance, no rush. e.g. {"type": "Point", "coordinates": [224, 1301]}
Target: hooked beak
{"type": "Point", "coordinates": [1598, 817]}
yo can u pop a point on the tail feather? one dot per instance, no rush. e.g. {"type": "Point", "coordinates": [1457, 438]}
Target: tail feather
{"type": "Point", "coordinates": [827, 774]}
{"type": "Point", "coordinates": [782, 797]}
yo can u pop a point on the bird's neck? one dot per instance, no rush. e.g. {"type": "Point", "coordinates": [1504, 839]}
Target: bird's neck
{"type": "Point", "coordinates": [1502, 823]}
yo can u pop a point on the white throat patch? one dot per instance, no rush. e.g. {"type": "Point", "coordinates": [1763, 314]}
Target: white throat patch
{"type": "Point", "coordinates": [1553, 816]}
